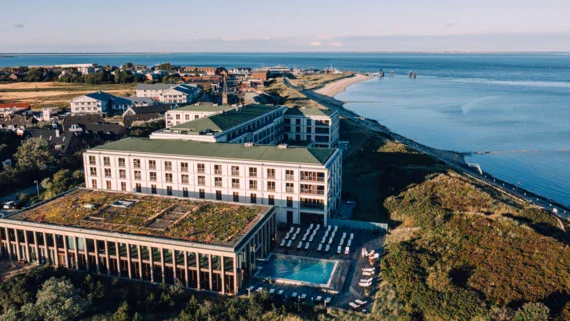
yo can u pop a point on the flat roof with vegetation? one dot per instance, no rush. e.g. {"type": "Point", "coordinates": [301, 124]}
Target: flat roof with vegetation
{"type": "Point", "coordinates": [230, 119]}
{"type": "Point", "coordinates": [203, 107]}
{"type": "Point", "coordinates": [192, 220]}
{"type": "Point", "coordinates": [304, 111]}
{"type": "Point", "coordinates": [297, 155]}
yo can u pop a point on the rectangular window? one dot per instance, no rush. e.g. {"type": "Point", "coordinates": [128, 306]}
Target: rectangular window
{"type": "Point", "coordinates": [94, 183]}
{"type": "Point", "coordinates": [236, 197]}
{"type": "Point", "coordinates": [108, 184]}
{"type": "Point", "coordinates": [138, 175]}
{"type": "Point", "coordinates": [312, 204]}
{"type": "Point", "coordinates": [184, 179]}
{"type": "Point", "coordinates": [168, 166]}
{"type": "Point", "coordinates": [217, 181]}
{"type": "Point", "coordinates": [123, 186]}
{"type": "Point", "coordinates": [289, 174]}
{"type": "Point", "coordinates": [312, 176]}
{"type": "Point", "coordinates": [271, 200]}
{"type": "Point", "coordinates": [252, 184]}
{"type": "Point", "coordinates": [235, 182]}
{"type": "Point", "coordinates": [106, 161]}
{"type": "Point", "coordinates": [92, 160]}
{"type": "Point", "coordinates": [168, 190]}
{"type": "Point", "coordinates": [235, 170]}
{"type": "Point", "coordinates": [121, 162]}
{"type": "Point", "coordinates": [271, 186]}
{"type": "Point", "coordinates": [136, 163]}
{"type": "Point", "coordinates": [138, 188]}
{"type": "Point", "coordinates": [271, 173]}
{"type": "Point", "coordinates": [168, 177]}
{"type": "Point", "coordinates": [289, 188]}
{"type": "Point", "coordinates": [153, 189]}
{"type": "Point", "coordinates": [289, 201]}
{"type": "Point", "coordinates": [184, 167]}
{"type": "Point", "coordinates": [219, 195]}
{"type": "Point", "coordinates": [107, 172]}
{"type": "Point", "coordinates": [218, 169]}
{"type": "Point", "coordinates": [93, 171]}
{"type": "Point", "coordinates": [122, 173]}
{"type": "Point", "coordinates": [201, 180]}
{"type": "Point", "coordinates": [202, 193]}
{"type": "Point", "coordinates": [152, 176]}
{"type": "Point", "coordinates": [152, 164]}
{"type": "Point", "coordinates": [185, 191]}
{"type": "Point", "coordinates": [201, 168]}
{"type": "Point", "coordinates": [253, 199]}
{"type": "Point", "coordinates": [252, 172]}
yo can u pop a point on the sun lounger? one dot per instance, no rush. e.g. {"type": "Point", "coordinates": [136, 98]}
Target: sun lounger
{"type": "Point", "coordinates": [354, 305]}
{"type": "Point", "coordinates": [339, 249]}
{"type": "Point", "coordinates": [319, 298]}
{"type": "Point", "coordinates": [361, 302]}
{"type": "Point", "coordinates": [324, 239]}
{"type": "Point", "coordinates": [300, 245]}
{"type": "Point", "coordinates": [280, 292]}
{"type": "Point", "coordinates": [294, 236]}
{"type": "Point", "coordinates": [298, 230]}
{"type": "Point", "coordinates": [328, 300]}
{"type": "Point", "coordinates": [333, 234]}
{"type": "Point", "coordinates": [374, 256]}
{"type": "Point", "coordinates": [320, 247]}
{"type": "Point", "coordinates": [311, 226]}
{"type": "Point", "coordinates": [289, 243]}
{"type": "Point", "coordinates": [327, 234]}
{"type": "Point", "coordinates": [317, 227]}
{"type": "Point", "coordinates": [368, 273]}
{"type": "Point", "coordinates": [294, 295]}
{"type": "Point", "coordinates": [287, 236]}
{"type": "Point", "coordinates": [311, 238]}
{"type": "Point", "coordinates": [346, 250]}
{"type": "Point", "coordinates": [271, 291]}
{"type": "Point", "coordinates": [335, 228]}
{"type": "Point", "coordinates": [349, 243]}
{"type": "Point", "coordinates": [329, 228]}
{"type": "Point", "coordinates": [341, 242]}
{"type": "Point", "coordinates": [327, 248]}
{"type": "Point", "coordinates": [259, 289]}
{"type": "Point", "coordinates": [372, 269]}
{"type": "Point", "coordinates": [314, 233]}
{"type": "Point", "coordinates": [282, 242]}
{"type": "Point", "coordinates": [365, 285]}
{"type": "Point", "coordinates": [305, 237]}
{"type": "Point", "coordinates": [351, 236]}
{"type": "Point", "coordinates": [366, 280]}
{"type": "Point", "coordinates": [307, 244]}
{"type": "Point", "coordinates": [292, 229]}
{"type": "Point", "coordinates": [343, 234]}
{"type": "Point", "coordinates": [330, 240]}
{"type": "Point", "coordinates": [303, 296]}
{"type": "Point", "coordinates": [364, 252]}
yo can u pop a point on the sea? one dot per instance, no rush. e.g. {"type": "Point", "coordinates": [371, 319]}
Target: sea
{"type": "Point", "coordinates": [510, 111]}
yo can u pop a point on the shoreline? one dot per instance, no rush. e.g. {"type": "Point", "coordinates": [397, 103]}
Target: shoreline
{"type": "Point", "coordinates": [454, 159]}
{"type": "Point", "coordinates": [336, 87]}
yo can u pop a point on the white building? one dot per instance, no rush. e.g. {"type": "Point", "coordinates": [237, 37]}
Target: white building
{"type": "Point", "coordinates": [181, 94]}
{"type": "Point", "coordinates": [303, 183]}
{"type": "Point", "coordinates": [258, 124]}
{"type": "Point", "coordinates": [188, 113]}
{"type": "Point", "coordinates": [152, 90]}
{"type": "Point", "coordinates": [94, 103]}
{"type": "Point", "coordinates": [319, 126]}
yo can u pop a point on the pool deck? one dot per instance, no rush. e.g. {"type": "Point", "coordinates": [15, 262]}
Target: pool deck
{"type": "Point", "coordinates": [344, 286]}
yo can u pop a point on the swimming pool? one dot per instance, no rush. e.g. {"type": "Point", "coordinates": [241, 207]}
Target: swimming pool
{"type": "Point", "coordinates": [297, 270]}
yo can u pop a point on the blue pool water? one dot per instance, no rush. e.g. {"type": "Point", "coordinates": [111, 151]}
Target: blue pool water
{"type": "Point", "coordinates": [297, 269]}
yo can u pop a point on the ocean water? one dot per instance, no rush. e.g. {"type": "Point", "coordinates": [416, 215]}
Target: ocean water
{"type": "Point", "coordinates": [516, 106]}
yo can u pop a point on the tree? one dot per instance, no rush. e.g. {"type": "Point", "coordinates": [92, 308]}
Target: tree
{"type": "Point", "coordinates": [165, 66]}
{"type": "Point", "coordinates": [532, 312]}
{"type": "Point", "coordinates": [122, 313]}
{"type": "Point", "coordinates": [57, 300]}
{"type": "Point", "coordinates": [128, 65]}
{"type": "Point", "coordinates": [10, 315]}
{"type": "Point", "coordinates": [35, 154]}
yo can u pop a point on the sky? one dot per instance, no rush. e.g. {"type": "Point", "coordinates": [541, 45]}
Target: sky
{"type": "Point", "coordinates": [282, 26]}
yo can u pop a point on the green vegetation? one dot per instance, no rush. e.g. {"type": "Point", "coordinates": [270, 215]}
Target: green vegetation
{"type": "Point", "coordinates": [312, 82]}
{"type": "Point", "coordinates": [288, 96]}
{"type": "Point", "coordinates": [48, 294]}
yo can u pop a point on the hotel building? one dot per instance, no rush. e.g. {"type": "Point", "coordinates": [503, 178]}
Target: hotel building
{"type": "Point", "coordinates": [203, 245]}
{"type": "Point", "coordinates": [185, 114]}
{"type": "Point", "coordinates": [304, 184]}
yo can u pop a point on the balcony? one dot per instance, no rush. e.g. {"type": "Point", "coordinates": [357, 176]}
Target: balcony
{"type": "Point", "coordinates": [312, 191]}
{"type": "Point", "coordinates": [313, 206]}
{"type": "Point", "coordinates": [290, 190]}
{"type": "Point", "coordinates": [235, 173]}
{"type": "Point", "coordinates": [289, 177]}
{"type": "Point", "coordinates": [313, 178]}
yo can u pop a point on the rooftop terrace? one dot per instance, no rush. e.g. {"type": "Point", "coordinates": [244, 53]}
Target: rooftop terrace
{"type": "Point", "coordinates": [310, 155]}
{"type": "Point", "coordinates": [175, 218]}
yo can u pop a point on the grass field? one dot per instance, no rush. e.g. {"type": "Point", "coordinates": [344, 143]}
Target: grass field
{"type": "Point", "coordinates": [56, 94]}
{"type": "Point", "coordinates": [288, 96]}
{"type": "Point", "coordinates": [316, 81]}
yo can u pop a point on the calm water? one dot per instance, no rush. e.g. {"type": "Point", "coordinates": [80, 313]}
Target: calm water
{"type": "Point", "coordinates": [473, 103]}
{"type": "Point", "coordinates": [297, 268]}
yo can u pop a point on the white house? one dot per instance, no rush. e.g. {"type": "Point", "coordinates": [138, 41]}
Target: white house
{"type": "Point", "coordinates": [94, 103]}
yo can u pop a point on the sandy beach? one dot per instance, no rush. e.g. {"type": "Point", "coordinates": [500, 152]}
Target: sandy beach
{"type": "Point", "coordinates": [339, 86]}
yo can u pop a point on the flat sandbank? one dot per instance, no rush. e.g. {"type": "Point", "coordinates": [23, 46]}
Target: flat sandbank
{"type": "Point", "coordinates": [336, 87]}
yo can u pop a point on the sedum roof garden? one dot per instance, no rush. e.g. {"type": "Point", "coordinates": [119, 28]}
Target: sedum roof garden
{"type": "Point", "coordinates": [230, 119]}
{"type": "Point", "coordinates": [303, 111]}
{"type": "Point", "coordinates": [302, 155]}
{"type": "Point", "coordinates": [205, 107]}
{"type": "Point", "coordinates": [184, 219]}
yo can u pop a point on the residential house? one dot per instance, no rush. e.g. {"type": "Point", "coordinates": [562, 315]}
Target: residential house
{"type": "Point", "coordinates": [9, 109]}
{"type": "Point", "coordinates": [93, 103]}
{"type": "Point", "coordinates": [66, 143]}
{"type": "Point", "coordinates": [181, 94]}
{"type": "Point", "coordinates": [17, 122]}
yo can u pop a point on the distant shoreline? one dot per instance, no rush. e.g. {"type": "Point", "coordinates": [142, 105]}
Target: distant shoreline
{"type": "Point", "coordinates": [336, 87]}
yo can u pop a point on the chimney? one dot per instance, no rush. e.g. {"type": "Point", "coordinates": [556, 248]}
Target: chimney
{"type": "Point", "coordinates": [57, 133]}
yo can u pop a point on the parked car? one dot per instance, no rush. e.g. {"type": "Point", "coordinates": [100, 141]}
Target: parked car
{"type": "Point", "coordinates": [12, 205]}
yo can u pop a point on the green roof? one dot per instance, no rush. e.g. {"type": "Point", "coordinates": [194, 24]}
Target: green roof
{"type": "Point", "coordinates": [302, 155]}
{"type": "Point", "coordinates": [230, 119]}
{"type": "Point", "coordinates": [296, 111]}
{"type": "Point", "coordinates": [206, 107]}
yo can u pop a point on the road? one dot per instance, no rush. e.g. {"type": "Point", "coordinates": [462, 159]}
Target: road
{"type": "Point", "coordinates": [443, 156]}
{"type": "Point", "coordinates": [13, 197]}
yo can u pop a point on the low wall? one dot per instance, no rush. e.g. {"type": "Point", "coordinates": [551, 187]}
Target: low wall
{"type": "Point", "coordinates": [359, 225]}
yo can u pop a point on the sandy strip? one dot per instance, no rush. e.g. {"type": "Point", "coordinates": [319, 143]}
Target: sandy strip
{"type": "Point", "coordinates": [336, 87]}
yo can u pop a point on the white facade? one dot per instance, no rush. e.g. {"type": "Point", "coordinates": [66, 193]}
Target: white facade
{"type": "Point", "coordinates": [299, 191]}
{"type": "Point", "coordinates": [179, 95]}
{"type": "Point", "coordinates": [322, 130]}
{"type": "Point", "coordinates": [87, 105]}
